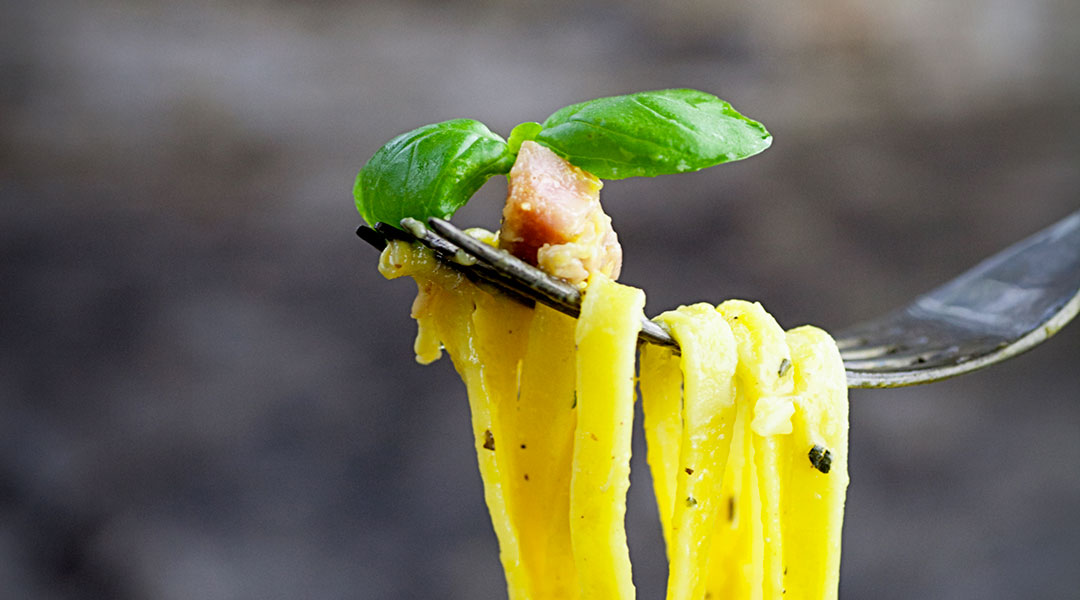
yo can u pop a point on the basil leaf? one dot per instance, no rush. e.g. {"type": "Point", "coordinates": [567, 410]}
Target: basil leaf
{"type": "Point", "coordinates": [652, 133]}
{"type": "Point", "coordinates": [429, 172]}
{"type": "Point", "coordinates": [522, 132]}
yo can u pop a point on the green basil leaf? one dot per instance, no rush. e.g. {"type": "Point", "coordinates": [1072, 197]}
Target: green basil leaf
{"type": "Point", "coordinates": [429, 172]}
{"type": "Point", "coordinates": [652, 133]}
{"type": "Point", "coordinates": [522, 132]}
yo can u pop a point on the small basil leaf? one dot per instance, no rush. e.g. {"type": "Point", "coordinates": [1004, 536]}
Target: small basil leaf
{"type": "Point", "coordinates": [522, 132]}
{"type": "Point", "coordinates": [429, 172]}
{"type": "Point", "coordinates": [652, 133]}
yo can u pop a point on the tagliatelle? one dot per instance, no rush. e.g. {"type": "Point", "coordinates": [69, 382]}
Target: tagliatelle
{"type": "Point", "coordinates": [746, 432]}
{"type": "Point", "coordinates": [606, 341]}
{"type": "Point", "coordinates": [708, 368]}
{"type": "Point", "coordinates": [543, 449]}
{"type": "Point", "coordinates": [452, 313]}
{"type": "Point", "coordinates": [813, 512]}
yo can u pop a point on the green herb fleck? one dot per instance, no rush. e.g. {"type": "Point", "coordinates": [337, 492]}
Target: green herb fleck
{"type": "Point", "coordinates": [821, 458]}
{"type": "Point", "coordinates": [785, 366]}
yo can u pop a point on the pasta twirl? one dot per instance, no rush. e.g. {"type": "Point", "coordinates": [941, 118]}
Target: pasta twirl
{"type": "Point", "coordinates": [746, 432]}
{"type": "Point", "coordinates": [771, 528]}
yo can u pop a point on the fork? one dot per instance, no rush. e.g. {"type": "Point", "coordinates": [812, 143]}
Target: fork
{"type": "Point", "coordinates": [1005, 305]}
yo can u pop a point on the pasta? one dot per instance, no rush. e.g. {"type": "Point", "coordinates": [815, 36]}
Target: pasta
{"type": "Point", "coordinates": [746, 433]}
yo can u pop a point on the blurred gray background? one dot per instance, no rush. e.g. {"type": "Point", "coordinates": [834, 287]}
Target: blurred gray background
{"type": "Point", "coordinates": [207, 391]}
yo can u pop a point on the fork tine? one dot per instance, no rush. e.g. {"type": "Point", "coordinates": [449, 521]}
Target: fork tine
{"type": "Point", "coordinates": [1005, 305]}
{"type": "Point", "coordinates": [854, 353]}
{"type": "Point", "coordinates": [565, 296]}
{"type": "Point", "coordinates": [451, 256]}
{"type": "Point", "coordinates": [546, 289]}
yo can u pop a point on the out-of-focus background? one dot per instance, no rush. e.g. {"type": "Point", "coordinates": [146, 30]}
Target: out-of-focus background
{"type": "Point", "coordinates": [207, 390]}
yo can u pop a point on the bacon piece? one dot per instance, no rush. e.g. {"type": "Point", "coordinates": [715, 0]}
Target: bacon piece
{"type": "Point", "coordinates": [553, 219]}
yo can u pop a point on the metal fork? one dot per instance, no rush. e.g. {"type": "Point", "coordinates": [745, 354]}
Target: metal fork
{"type": "Point", "coordinates": [1005, 305]}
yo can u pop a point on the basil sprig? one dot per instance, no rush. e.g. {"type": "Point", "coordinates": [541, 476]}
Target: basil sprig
{"type": "Point", "coordinates": [434, 170]}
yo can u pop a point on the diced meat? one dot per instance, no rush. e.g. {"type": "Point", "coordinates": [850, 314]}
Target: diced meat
{"type": "Point", "coordinates": [553, 219]}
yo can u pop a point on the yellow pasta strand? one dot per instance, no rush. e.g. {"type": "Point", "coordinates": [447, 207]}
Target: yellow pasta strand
{"type": "Point", "coordinates": [467, 322]}
{"type": "Point", "coordinates": [661, 402]}
{"type": "Point", "coordinates": [606, 346]}
{"type": "Point", "coordinates": [500, 326]}
{"type": "Point", "coordinates": [814, 504]}
{"type": "Point", "coordinates": [763, 352]}
{"type": "Point", "coordinates": [542, 442]}
{"type": "Point", "coordinates": [708, 368]}
{"type": "Point", "coordinates": [734, 560]}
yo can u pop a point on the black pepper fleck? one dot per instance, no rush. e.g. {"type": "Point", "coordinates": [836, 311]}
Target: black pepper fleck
{"type": "Point", "coordinates": [489, 440]}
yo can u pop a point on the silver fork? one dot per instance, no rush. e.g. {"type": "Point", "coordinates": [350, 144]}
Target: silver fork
{"type": "Point", "coordinates": [1005, 305]}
